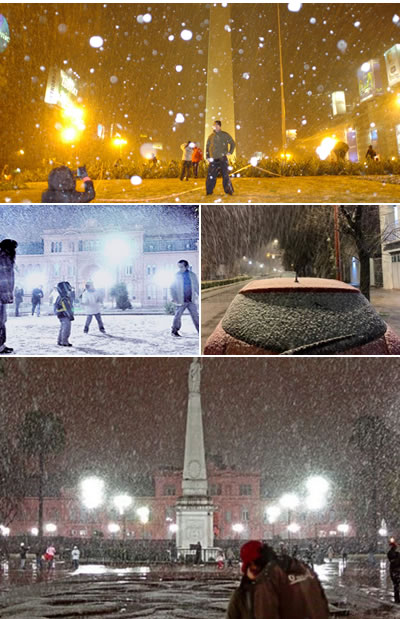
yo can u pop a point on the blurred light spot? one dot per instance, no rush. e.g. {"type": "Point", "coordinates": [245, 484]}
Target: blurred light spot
{"type": "Point", "coordinates": [186, 35]}
{"type": "Point", "coordinates": [96, 42]}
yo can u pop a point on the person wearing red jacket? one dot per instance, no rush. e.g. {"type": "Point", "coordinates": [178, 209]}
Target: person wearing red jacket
{"type": "Point", "coordinates": [197, 156]}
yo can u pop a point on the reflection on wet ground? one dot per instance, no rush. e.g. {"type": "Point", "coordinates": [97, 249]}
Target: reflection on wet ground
{"type": "Point", "coordinates": [165, 590]}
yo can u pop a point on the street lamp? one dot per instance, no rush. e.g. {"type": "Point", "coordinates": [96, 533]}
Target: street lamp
{"type": "Point", "coordinates": [173, 528]}
{"type": "Point", "coordinates": [317, 487]}
{"type": "Point", "coordinates": [273, 512]}
{"type": "Point", "coordinates": [92, 492]}
{"type": "Point", "coordinates": [293, 527]}
{"type": "Point", "coordinates": [122, 502]}
{"type": "Point", "coordinates": [50, 528]}
{"type": "Point", "coordinates": [238, 528]}
{"type": "Point", "coordinates": [289, 501]}
{"type": "Point", "coordinates": [343, 528]}
{"type": "Point", "coordinates": [143, 513]}
{"type": "Point", "coordinates": [113, 528]}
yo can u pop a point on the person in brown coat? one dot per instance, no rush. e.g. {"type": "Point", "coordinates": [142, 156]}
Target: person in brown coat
{"type": "Point", "coordinates": [277, 589]}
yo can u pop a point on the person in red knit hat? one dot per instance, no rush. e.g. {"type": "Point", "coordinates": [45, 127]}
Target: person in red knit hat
{"type": "Point", "coordinates": [275, 588]}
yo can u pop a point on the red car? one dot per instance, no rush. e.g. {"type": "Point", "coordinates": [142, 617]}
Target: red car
{"type": "Point", "coordinates": [310, 316]}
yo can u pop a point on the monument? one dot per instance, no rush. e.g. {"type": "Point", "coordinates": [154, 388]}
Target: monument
{"type": "Point", "coordinates": [194, 509]}
{"type": "Point", "coordinates": [219, 99]}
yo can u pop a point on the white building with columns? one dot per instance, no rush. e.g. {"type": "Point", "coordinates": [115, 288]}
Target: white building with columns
{"type": "Point", "coordinates": [146, 263]}
{"type": "Point", "coordinates": [390, 232]}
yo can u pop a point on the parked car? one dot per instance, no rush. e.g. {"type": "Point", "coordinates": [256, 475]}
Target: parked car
{"type": "Point", "coordinates": [305, 316]}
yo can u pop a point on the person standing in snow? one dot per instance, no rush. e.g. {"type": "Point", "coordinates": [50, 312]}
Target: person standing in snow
{"type": "Point", "coordinates": [197, 156]}
{"type": "Point", "coordinates": [22, 555]}
{"type": "Point", "coordinates": [62, 186]}
{"type": "Point", "coordinates": [219, 145]}
{"type": "Point", "coordinates": [49, 556]}
{"type": "Point", "coordinates": [184, 290]}
{"type": "Point", "coordinates": [75, 556]}
{"type": "Point", "coordinates": [8, 249]}
{"type": "Point", "coordinates": [37, 296]}
{"type": "Point", "coordinates": [92, 301]}
{"type": "Point", "coordinates": [64, 310]}
{"type": "Point", "coordinates": [187, 150]}
{"type": "Point", "coordinates": [19, 297]}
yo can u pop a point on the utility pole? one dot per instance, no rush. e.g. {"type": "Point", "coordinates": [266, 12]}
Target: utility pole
{"type": "Point", "coordinates": [283, 107]}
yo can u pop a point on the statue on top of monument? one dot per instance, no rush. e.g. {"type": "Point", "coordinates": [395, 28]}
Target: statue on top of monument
{"type": "Point", "coordinates": [194, 376]}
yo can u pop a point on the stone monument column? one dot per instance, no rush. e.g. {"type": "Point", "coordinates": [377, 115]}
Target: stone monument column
{"type": "Point", "coordinates": [219, 99]}
{"type": "Point", "coordinates": [194, 509]}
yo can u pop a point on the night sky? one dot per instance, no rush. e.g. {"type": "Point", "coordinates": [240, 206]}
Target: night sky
{"type": "Point", "coordinates": [132, 81]}
{"type": "Point", "coordinates": [126, 417]}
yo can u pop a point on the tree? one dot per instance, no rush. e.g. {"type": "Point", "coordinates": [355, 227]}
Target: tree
{"type": "Point", "coordinates": [13, 480]}
{"type": "Point", "coordinates": [41, 435]}
{"type": "Point", "coordinates": [372, 438]}
{"type": "Point", "coordinates": [120, 292]}
{"type": "Point", "coordinates": [361, 223]}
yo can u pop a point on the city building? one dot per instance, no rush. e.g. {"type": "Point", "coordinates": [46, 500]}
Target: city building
{"type": "Point", "coordinates": [241, 512]}
{"type": "Point", "coordinates": [145, 262]}
{"type": "Point", "coordinates": [390, 231]}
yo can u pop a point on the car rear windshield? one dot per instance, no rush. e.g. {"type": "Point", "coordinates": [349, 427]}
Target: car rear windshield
{"type": "Point", "coordinates": [282, 322]}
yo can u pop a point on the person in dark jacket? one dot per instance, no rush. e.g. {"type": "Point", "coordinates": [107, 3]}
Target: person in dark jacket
{"type": "Point", "coordinates": [19, 297]}
{"type": "Point", "coordinates": [62, 187]}
{"type": "Point", "coordinates": [340, 150]}
{"type": "Point", "coordinates": [370, 154]}
{"type": "Point", "coordinates": [394, 567]}
{"type": "Point", "coordinates": [197, 556]}
{"type": "Point", "coordinates": [8, 249]}
{"type": "Point", "coordinates": [64, 310]}
{"type": "Point", "coordinates": [219, 145]}
{"type": "Point", "coordinates": [37, 296]}
{"type": "Point", "coordinates": [277, 589]}
{"type": "Point", "coordinates": [184, 291]}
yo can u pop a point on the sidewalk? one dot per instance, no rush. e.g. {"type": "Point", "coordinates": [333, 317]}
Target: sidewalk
{"type": "Point", "coordinates": [387, 304]}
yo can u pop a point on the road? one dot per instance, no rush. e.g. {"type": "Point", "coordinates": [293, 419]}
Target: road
{"type": "Point", "coordinates": [214, 303]}
{"type": "Point", "coordinates": [297, 189]}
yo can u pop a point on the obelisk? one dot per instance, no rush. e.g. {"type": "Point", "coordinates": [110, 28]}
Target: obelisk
{"type": "Point", "coordinates": [194, 509]}
{"type": "Point", "coordinates": [219, 99]}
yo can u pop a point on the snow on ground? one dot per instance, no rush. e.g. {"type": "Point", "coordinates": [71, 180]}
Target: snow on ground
{"type": "Point", "coordinates": [296, 189]}
{"type": "Point", "coordinates": [126, 335]}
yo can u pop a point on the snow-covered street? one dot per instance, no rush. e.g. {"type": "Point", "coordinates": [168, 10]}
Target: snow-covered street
{"type": "Point", "coordinates": [126, 335]}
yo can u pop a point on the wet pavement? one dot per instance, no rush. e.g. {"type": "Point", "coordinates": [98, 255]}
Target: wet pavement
{"type": "Point", "coordinates": [166, 592]}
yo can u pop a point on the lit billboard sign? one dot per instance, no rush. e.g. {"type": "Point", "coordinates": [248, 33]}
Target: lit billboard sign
{"type": "Point", "coordinates": [4, 33]}
{"type": "Point", "coordinates": [369, 80]}
{"type": "Point", "coordinates": [61, 88]}
{"type": "Point", "coordinates": [392, 59]}
{"type": "Point", "coordinates": [338, 102]}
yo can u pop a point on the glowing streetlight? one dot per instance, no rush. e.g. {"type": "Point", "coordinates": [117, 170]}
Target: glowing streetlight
{"type": "Point", "coordinates": [317, 485]}
{"type": "Point", "coordinates": [273, 512]}
{"type": "Point", "coordinates": [92, 492]}
{"type": "Point", "coordinates": [173, 528]}
{"type": "Point", "coordinates": [383, 532]}
{"type": "Point", "coordinates": [293, 527]}
{"type": "Point", "coordinates": [69, 135]}
{"type": "Point", "coordinates": [343, 528]}
{"type": "Point", "coordinates": [50, 528]}
{"type": "Point", "coordinates": [113, 528]}
{"type": "Point", "coordinates": [238, 528]}
{"type": "Point", "coordinates": [289, 501]}
{"type": "Point", "coordinates": [34, 531]}
{"type": "Point", "coordinates": [119, 142]}
{"type": "Point", "coordinates": [122, 502]}
{"type": "Point", "coordinates": [4, 530]}
{"type": "Point", "coordinates": [144, 515]}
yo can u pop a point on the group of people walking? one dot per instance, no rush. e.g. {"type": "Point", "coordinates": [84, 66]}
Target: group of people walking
{"type": "Point", "coordinates": [47, 558]}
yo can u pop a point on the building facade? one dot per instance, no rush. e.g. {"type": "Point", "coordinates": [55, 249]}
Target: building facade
{"type": "Point", "coordinates": [241, 512]}
{"type": "Point", "coordinates": [146, 263]}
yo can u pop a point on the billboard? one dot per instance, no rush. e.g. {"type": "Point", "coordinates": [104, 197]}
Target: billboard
{"type": "Point", "coordinates": [369, 80]}
{"type": "Point", "coordinates": [338, 102]}
{"type": "Point", "coordinates": [392, 59]}
{"type": "Point", "coordinates": [4, 33]}
{"type": "Point", "coordinates": [61, 88]}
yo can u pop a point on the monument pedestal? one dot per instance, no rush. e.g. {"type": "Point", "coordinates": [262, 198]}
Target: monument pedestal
{"type": "Point", "coordinates": [194, 517]}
